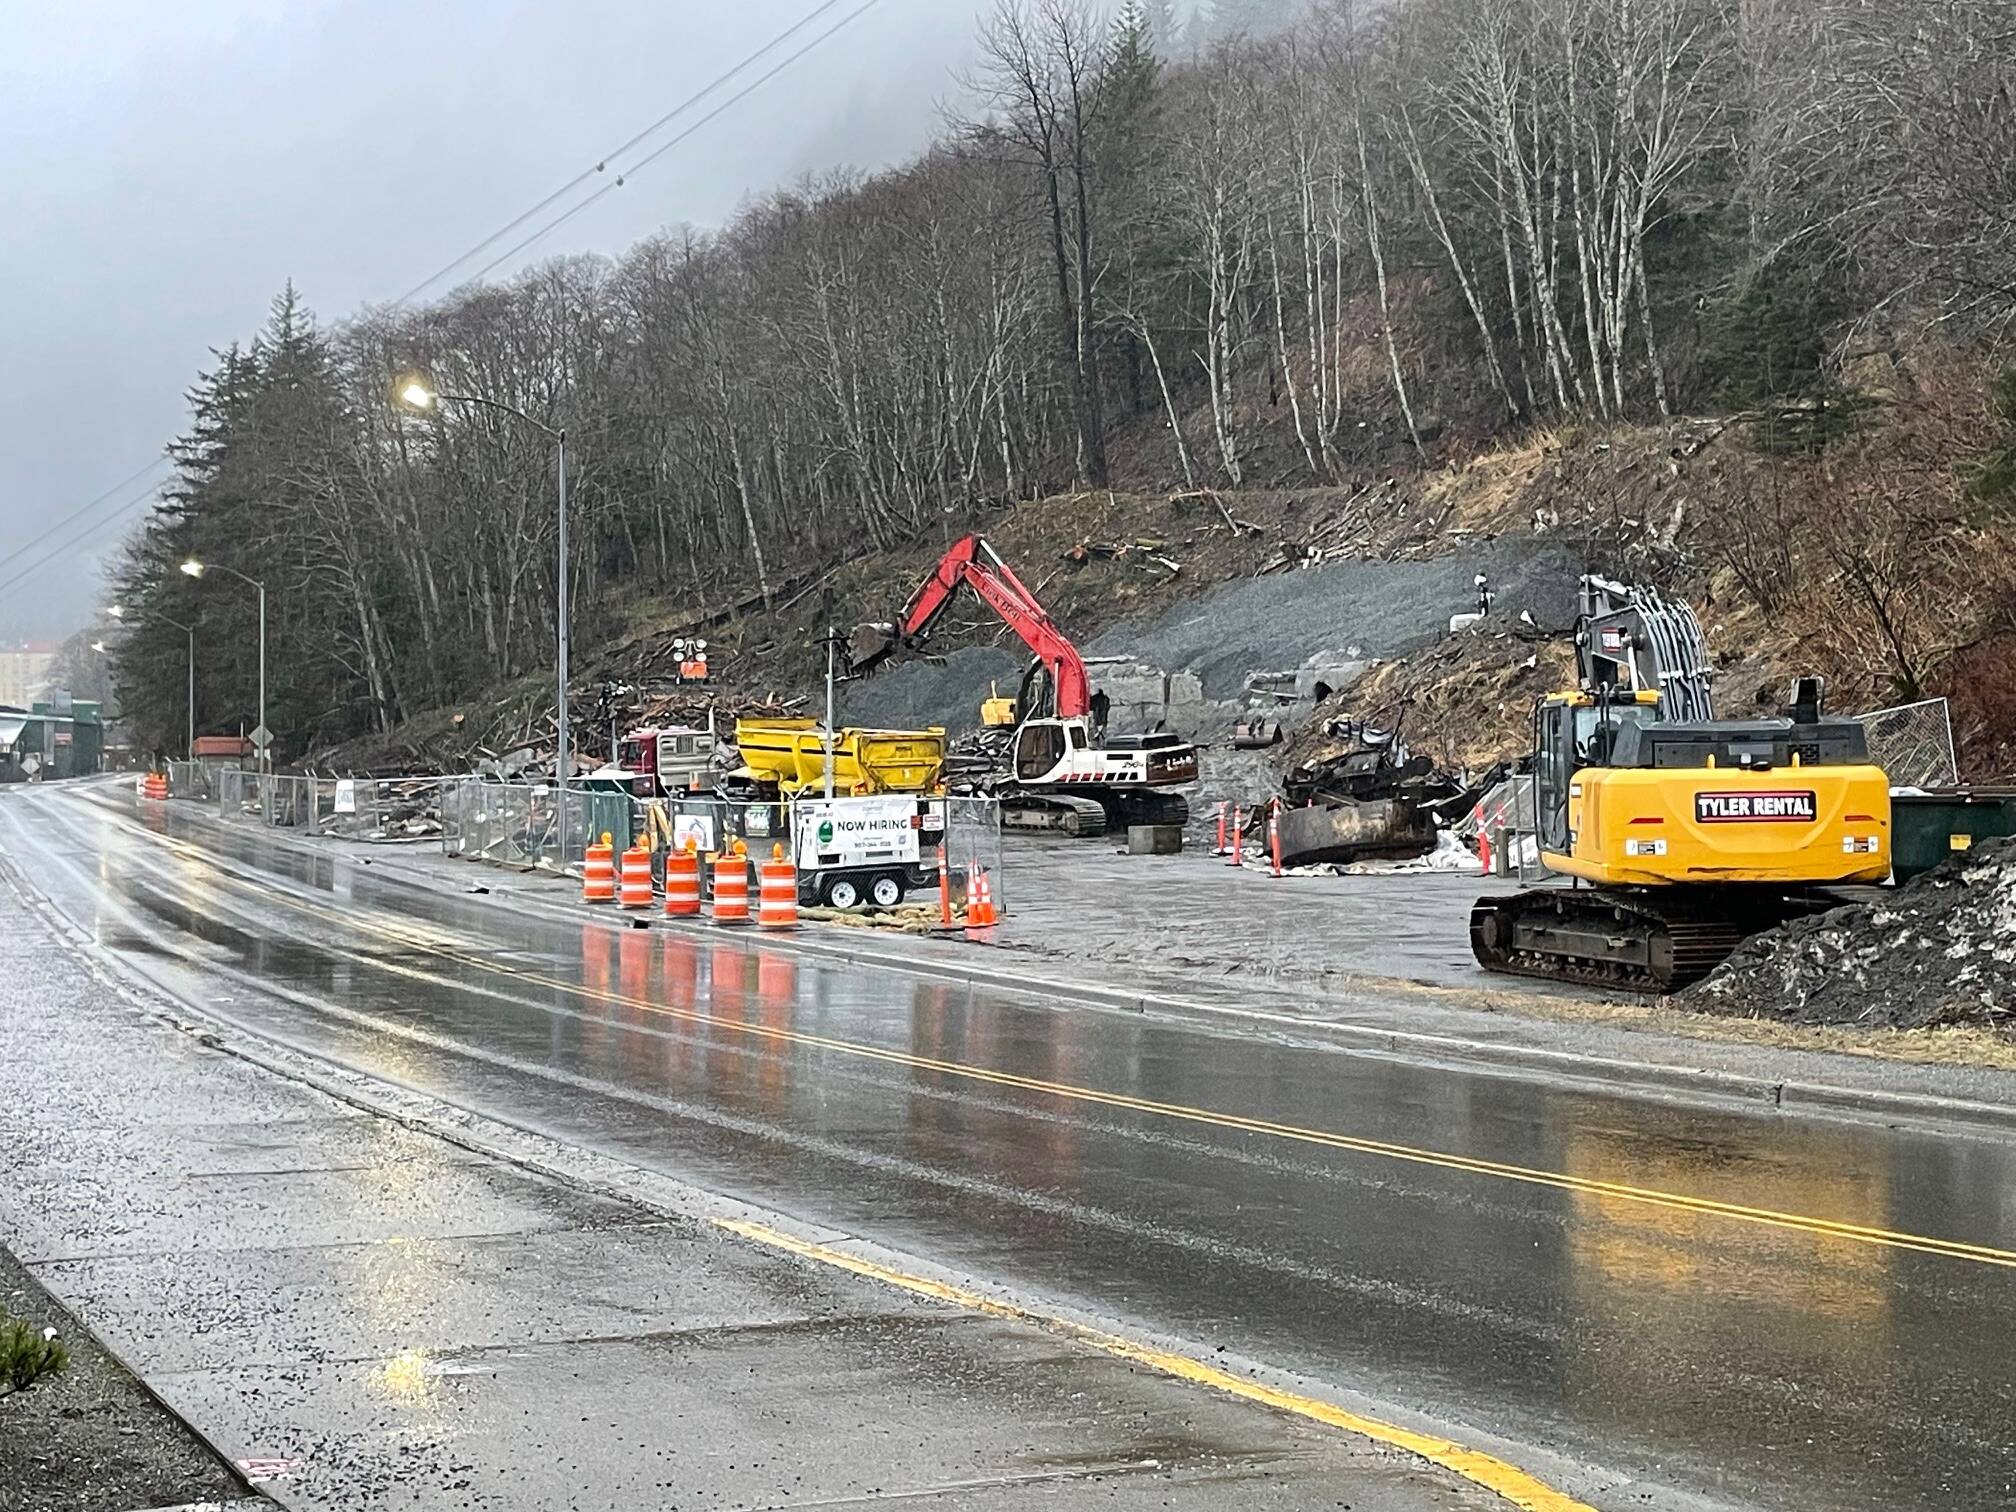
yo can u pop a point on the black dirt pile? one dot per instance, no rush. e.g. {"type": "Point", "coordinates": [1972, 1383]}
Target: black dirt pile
{"type": "Point", "coordinates": [1940, 951]}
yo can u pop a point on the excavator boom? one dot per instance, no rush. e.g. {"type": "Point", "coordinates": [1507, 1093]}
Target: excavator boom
{"type": "Point", "coordinates": [972, 563]}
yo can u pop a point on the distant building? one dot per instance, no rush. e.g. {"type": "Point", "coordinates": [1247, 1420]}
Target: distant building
{"type": "Point", "coordinates": [24, 672]}
{"type": "Point", "coordinates": [57, 737]}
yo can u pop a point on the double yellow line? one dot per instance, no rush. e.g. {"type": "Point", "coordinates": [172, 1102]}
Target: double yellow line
{"type": "Point", "coordinates": [1826, 1228]}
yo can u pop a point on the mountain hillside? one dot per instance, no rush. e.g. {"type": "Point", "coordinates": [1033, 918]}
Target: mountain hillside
{"type": "Point", "coordinates": [1709, 293]}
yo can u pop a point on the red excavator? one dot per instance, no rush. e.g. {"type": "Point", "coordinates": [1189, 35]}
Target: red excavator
{"type": "Point", "coordinates": [1066, 774]}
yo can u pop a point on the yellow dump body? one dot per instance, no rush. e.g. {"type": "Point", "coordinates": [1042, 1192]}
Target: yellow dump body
{"type": "Point", "coordinates": [791, 755]}
{"type": "Point", "coordinates": [1793, 825]}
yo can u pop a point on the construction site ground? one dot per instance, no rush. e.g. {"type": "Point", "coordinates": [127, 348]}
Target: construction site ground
{"type": "Point", "coordinates": [1373, 964]}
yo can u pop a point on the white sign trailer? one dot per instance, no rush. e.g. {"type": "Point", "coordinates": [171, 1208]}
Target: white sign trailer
{"type": "Point", "coordinates": [854, 851]}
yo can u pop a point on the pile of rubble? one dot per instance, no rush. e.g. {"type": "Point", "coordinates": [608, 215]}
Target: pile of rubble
{"type": "Point", "coordinates": [1372, 799]}
{"type": "Point", "coordinates": [1941, 951]}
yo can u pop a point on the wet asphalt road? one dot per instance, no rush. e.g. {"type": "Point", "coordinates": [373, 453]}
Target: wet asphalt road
{"type": "Point", "coordinates": [1454, 1244]}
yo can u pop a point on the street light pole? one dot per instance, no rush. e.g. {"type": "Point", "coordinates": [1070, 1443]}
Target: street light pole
{"type": "Point", "coordinates": [118, 612]}
{"type": "Point", "coordinates": [189, 754]}
{"type": "Point", "coordinates": [196, 569]}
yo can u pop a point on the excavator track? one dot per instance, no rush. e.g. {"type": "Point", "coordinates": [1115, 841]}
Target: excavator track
{"type": "Point", "coordinates": [1638, 940]}
{"type": "Point", "coordinates": [1049, 813]}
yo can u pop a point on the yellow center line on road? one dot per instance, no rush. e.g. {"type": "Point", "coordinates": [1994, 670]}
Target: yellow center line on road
{"type": "Point", "coordinates": [396, 931]}
{"type": "Point", "coordinates": [1493, 1474]}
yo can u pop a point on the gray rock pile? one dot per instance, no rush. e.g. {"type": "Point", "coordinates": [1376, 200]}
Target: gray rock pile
{"type": "Point", "coordinates": [1939, 951]}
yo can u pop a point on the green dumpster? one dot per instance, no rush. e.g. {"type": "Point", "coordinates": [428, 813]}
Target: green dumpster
{"type": "Point", "coordinates": [1926, 828]}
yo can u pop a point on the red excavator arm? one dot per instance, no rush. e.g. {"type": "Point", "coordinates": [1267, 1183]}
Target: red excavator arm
{"type": "Point", "coordinates": [972, 563]}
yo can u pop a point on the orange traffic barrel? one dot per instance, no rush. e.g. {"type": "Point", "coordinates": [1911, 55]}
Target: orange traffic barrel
{"type": "Point", "coordinates": [598, 872]}
{"type": "Point", "coordinates": [731, 888]}
{"type": "Point", "coordinates": [682, 881]}
{"type": "Point", "coordinates": [636, 877]}
{"type": "Point", "coordinates": [777, 896]}
{"type": "Point", "coordinates": [155, 785]}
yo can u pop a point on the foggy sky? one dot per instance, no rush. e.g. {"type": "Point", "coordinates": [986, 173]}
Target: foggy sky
{"type": "Point", "coordinates": [168, 167]}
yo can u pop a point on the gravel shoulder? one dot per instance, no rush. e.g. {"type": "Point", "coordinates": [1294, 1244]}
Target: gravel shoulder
{"type": "Point", "coordinates": [92, 1438]}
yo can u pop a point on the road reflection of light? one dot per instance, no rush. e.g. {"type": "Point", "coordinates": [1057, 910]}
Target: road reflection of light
{"type": "Point", "coordinates": [407, 1377]}
{"type": "Point", "coordinates": [1660, 1282]}
{"type": "Point", "coordinates": [776, 997]}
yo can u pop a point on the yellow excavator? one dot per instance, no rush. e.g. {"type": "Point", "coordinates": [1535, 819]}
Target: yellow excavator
{"type": "Point", "coordinates": [1672, 835]}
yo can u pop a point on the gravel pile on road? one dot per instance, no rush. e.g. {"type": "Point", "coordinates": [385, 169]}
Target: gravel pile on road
{"type": "Point", "coordinates": [1941, 951]}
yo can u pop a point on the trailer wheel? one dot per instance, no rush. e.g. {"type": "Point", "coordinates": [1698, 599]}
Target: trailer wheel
{"type": "Point", "coordinates": [842, 893]}
{"type": "Point", "coordinates": [886, 890]}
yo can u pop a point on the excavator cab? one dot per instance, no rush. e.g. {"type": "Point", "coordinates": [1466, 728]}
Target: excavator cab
{"type": "Point", "coordinates": [1572, 732]}
{"type": "Point", "coordinates": [1040, 746]}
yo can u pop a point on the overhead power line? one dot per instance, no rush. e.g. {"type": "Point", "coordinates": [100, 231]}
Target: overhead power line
{"type": "Point", "coordinates": [72, 542]}
{"type": "Point", "coordinates": [90, 507]}
{"type": "Point", "coordinates": [657, 152]}
{"type": "Point", "coordinates": [602, 164]}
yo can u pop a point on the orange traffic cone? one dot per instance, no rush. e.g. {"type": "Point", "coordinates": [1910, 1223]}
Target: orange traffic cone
{"type": "Point", "coordinates": [980, 912]}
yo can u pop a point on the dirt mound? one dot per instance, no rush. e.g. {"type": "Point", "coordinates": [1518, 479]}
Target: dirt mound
{"type": "Point", "coordinates": [1941, 951]}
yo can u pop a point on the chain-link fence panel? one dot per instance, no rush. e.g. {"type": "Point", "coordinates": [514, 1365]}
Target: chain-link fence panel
{"type": "Point", "coordinates": [240, 796]}
{"type": "Point", "coordinates": [383, 809]}
{"type": "Point", "coordinates": [972, 828]}
{"type": "Point", "coordinates": [528, 824]}
{"type": "Point", "coordinates": [715, 824]}
{"type": "Point", "coordinates": [289, 801]}
{"type": "Point", "coordinates": [190, 779]}
{"type": "Point", "coordinates": [1913, 743]}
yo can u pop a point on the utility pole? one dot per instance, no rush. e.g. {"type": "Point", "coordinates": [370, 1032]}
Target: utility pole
{"type": "Point", "coordinates": [560, 755]}
{"type": "Point", "coordinates": [832, 638]}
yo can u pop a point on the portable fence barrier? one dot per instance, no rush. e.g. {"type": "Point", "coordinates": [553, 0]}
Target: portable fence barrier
{"type": "Point", "coordinates": [528, 823]}
{"type": "Point", "coordinates": [973, 846]}
{"type": "Point", "coordinates": [190, 779]}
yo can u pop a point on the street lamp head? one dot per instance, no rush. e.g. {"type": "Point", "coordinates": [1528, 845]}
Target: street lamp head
{"type": "Point", "coordinates": [417, 394]}
{"type": "Point", "coordinates": [193, 568]}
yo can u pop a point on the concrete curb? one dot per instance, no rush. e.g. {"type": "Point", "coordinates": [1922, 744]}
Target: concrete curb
{"type": "Point", "coordinates": [1697, 1084]}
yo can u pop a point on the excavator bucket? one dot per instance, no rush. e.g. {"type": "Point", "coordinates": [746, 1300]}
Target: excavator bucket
{"type": "Point", "coordinates": [869, 645]}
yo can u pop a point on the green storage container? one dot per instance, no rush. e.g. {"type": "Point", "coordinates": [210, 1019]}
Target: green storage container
{"type": "Point", "coordinates": [1926, 828]}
